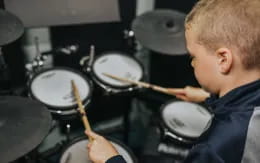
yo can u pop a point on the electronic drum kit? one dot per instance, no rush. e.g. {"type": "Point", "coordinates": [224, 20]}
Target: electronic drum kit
{"type": "Point", "coordinates": [25, 122]}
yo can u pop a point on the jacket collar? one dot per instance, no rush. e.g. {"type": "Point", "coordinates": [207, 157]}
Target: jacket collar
{"type": "Point", "coordinates": [238, 96]}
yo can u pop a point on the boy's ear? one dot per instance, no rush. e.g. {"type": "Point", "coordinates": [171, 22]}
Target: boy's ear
{"type": "Point", "coordinates": [225, 60]}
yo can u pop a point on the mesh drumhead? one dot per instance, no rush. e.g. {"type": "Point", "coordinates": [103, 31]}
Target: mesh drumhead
{"type": "Point", "coordinates": [77, 153]}
{"type": "Point", "coordinates": [186, 119]}
{"type": "Point", "coordinates": [53, 87]}
{"type": "Point", "coordinates": [118, 65]}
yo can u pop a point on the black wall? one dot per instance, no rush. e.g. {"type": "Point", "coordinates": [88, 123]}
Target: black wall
{"type": "Point", "coordinates": [180, 5]}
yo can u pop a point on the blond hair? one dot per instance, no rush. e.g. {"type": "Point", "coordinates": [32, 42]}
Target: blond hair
{"type": "Point", "coordinates": [230, 23]}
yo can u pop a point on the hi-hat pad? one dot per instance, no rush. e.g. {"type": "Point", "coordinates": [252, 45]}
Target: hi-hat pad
{"type": "Point", "coordinates": [161, 30]}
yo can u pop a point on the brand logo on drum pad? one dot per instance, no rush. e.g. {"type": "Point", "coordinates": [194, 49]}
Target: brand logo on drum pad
{"type": "Point", "coordinates": [177, 123]}
{"type": "Point", "coordinates": [69, 96]}
{"type": "Point", "coordinates": [48, 75]}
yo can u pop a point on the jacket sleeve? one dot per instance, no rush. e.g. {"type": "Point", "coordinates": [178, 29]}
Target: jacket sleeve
{"type": "Point", "coordinates": [202, 153]}
{"type": "Point", "coordinates": [116, 159]}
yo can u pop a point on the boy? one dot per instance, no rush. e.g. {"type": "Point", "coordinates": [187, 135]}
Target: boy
{"type": "Point", "coordinates": [223, 39]}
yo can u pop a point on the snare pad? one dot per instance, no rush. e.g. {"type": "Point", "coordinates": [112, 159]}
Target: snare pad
{"type": "Point", "coordinates": [53, 87]}
{"type": "Point", "coordinates": [77, 153]}
{"type": "Point", "coordinates": [186, 119]}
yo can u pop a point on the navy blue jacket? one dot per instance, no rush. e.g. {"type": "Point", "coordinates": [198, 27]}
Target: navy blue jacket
{"type": "Point", "coordinates": [234, 134]}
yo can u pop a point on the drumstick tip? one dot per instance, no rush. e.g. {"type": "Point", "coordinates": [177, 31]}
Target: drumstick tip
{"type": "Point", "coordinates": [106, 74]}
{"type": "Point", "coordinates": [111, 76]}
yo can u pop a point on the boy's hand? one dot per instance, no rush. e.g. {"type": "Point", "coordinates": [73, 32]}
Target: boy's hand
{"type": "Point", "coordinates": [100, 149]}
{"type": "Point", "coordinates": [189, 93]}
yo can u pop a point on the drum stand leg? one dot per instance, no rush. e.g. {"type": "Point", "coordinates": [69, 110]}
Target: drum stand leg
{"type": "Point", "coordinates": [126, 125]}
{"type": "Point", "coordinates": [49, 155]}
{"type": "Point", "coordinates": [45, 156]}
{"type": "Point", "coordinates": [68, 133]}
{"type": "Point", "coordinates": [32, 157]}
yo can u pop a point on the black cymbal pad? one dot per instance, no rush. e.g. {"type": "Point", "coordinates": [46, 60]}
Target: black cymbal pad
{"type": "Point", "coordinates": [24, 123]}
{"type": "Point", "coordinates": [11, 27]}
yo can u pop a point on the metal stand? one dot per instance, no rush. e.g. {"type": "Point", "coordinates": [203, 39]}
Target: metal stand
{"type": "Point", "coordinates": [4, 76]}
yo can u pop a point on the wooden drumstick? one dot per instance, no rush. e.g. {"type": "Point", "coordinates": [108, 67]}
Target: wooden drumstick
{"type": "Point", "coordinates": [143, 84]}
{"type": "Point", "coordinates": [81, 108]}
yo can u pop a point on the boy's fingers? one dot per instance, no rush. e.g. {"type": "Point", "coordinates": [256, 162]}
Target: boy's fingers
{"type": "Point", "coordinates": [92, 134]}
{"type": "Point", "coordinates": [89, 145]}
{"type": "Point", "coordinates": [176, 90]}
{"type": "Point", "coordinates": [182, 97]}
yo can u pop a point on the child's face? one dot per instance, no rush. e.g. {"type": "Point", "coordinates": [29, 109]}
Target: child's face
{"type": "Point", "coordinates": [203, 61]}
